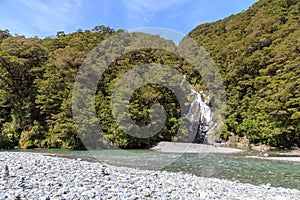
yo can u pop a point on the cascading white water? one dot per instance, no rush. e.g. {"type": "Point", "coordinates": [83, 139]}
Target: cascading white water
{"type": "Point", "coordinates": [199, 115]}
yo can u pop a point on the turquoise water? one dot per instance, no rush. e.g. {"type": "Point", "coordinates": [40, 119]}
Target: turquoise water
{"type": "Point", "coordinates": [232, 167]}
{"type": "Point", "coordinates": [248, 170]}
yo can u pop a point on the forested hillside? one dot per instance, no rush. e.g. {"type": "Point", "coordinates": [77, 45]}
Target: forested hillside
{"type": "Point", "coordinates": [256, 51]}
{"type": "Point", "coordinates": [36, 81]}
{"type": "Point", "coordinates": [36, 76]}
{"type": "Point", "coordinates": [258, 54]}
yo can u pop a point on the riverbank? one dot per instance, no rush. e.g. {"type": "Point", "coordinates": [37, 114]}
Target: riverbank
{"type": "Point", "coordinates": [176, 147]}
{"type": "Point", "coordinates": [285, 159]}
{"type": "Point", "coordinates": [36, 176]}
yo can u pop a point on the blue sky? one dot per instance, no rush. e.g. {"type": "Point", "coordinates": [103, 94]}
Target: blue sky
{"type": "Point", "coordinates": [45, 17]}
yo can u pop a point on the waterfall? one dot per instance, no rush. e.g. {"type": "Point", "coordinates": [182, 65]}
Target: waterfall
{"type": "Point", "coordinates": [199, 116]}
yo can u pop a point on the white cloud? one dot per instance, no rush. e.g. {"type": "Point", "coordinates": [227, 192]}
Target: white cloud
{"type": "Point", "coordinates": [46, 17]}
{"type": "Point", "coordinates": [141, 12]}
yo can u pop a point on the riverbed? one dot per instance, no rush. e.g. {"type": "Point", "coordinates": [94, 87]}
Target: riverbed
{"type": "Point", "coordinates": [37, 176]}
{"type": "Point", "coordinates": [246, 167]}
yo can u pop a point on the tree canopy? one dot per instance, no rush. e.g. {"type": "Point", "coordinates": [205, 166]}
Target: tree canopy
{"type": "Point", "coordinates": [257, 53]}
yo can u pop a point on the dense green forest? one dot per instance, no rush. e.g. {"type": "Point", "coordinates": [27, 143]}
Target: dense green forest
{"type": "Point", "coordinates": [37, 78]}
{"type": "Point", "coordinates": [257, 52]}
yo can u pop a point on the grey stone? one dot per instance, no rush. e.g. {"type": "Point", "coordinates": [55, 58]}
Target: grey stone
{"type": "Point", "coordinates": [133, 197]}
{"type": "Point", "coordinates": [3, 196]}
{"type": "Point", "coordinates": [80, 180]}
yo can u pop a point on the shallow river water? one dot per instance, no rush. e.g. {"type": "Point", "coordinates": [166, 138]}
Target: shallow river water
{"type": "Point", "coordinates": [232, 167]}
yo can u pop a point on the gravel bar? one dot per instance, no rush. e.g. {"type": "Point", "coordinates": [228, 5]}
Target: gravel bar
{"type": "Point", "coordinates": [176, 147]}
{"type": "Point", "coordinates": [37, 176]}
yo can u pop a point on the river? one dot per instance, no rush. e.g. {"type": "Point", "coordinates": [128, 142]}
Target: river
{"type": "Point", "coordinates": [229, 166]}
